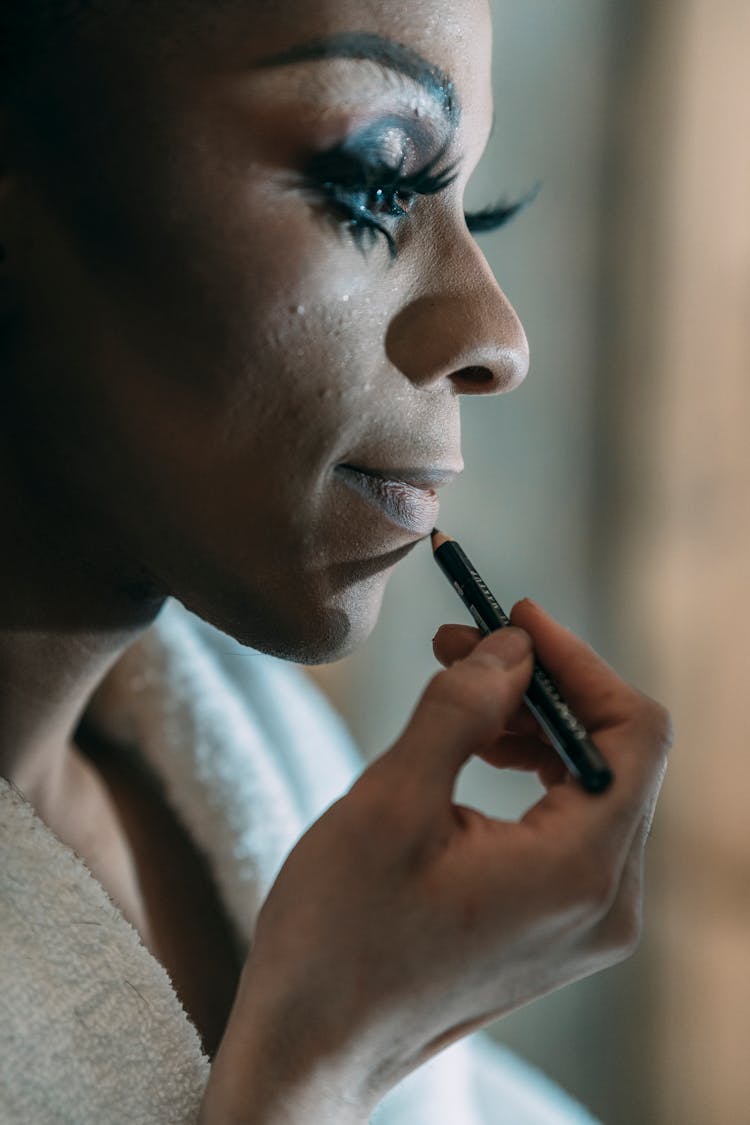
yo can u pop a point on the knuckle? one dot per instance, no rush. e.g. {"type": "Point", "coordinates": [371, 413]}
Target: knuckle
{"type": "Point", "coordinates": [628, 926]}
{"type": "Point", "coordinates": [657, 723]}
{"type": "Point", "coordinates": [624, 932]}
{"type": "Point", "coordinates": [597, 886]}
{"type": "Point", "coordinates": [585, 890]}
{"type": "Point", "coordinates": [663, 727]}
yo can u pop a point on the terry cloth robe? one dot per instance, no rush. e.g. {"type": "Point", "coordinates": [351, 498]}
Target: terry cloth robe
{"type": "Point", "coordinates": [91, 1030]}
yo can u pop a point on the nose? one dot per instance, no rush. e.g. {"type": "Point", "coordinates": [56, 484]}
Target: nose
{"type": "Point", "coordinates": [462, 330]}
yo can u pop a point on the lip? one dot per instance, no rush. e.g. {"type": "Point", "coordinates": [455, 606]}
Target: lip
{"type": "Point", "coordinates": [407, 497]}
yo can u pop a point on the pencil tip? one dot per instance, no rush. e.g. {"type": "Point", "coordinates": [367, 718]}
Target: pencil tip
{"type": "Point", "coordinates": [438, 538]}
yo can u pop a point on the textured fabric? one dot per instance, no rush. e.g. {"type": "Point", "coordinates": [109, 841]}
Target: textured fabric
{"type": "Point", "coordinates": [91, 1029]}
{"type": "Point", "coordinates": [249, 754]}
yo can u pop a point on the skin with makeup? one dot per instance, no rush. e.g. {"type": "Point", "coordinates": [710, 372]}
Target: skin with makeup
{"type": "Point", "coordinates": [239, 305]}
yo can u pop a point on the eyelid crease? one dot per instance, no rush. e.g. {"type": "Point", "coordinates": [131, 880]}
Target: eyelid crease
{"type": "Point", "coordinates": [355, 170]}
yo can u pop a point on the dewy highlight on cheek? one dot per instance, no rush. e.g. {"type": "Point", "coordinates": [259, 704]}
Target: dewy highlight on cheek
{"type": "Point", "coordinates": [566, 732]}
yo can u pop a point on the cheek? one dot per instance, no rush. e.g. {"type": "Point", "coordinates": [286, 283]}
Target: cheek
{"type": "Point", "coordinates": [227, 306]}
{"type": "Point", "coordinates": [288, 337]}
{"type": "Point", "coordinates": [233, 355]}
{"type": "Point", "coordinates": [262, 299]}
{"type": "Point", "coordinates": [257, 375]}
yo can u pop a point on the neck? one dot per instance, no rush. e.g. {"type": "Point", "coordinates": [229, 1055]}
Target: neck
{"type": "Point", "coordinates": [69, 606]}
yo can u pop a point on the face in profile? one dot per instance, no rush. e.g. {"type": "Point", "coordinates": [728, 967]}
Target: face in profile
{"type": "Point", "coordinates": [245, 300]}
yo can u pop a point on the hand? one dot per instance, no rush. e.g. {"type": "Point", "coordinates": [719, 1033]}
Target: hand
{"type": "Point", "coordinates": [402, 921]}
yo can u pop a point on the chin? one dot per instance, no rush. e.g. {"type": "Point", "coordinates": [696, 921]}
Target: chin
{"type": "Point", "coordinates": [319, 631]}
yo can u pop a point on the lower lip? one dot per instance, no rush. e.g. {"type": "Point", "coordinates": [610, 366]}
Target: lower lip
{"type": "Point", "coordinates": [412, 509]}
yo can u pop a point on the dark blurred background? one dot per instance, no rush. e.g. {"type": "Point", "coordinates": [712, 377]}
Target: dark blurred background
{"type": "Point", "coordinates": [613, 487]}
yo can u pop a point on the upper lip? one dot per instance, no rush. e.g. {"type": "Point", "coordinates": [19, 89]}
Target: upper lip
{"type": "Point", "coordinates": [428, 478]}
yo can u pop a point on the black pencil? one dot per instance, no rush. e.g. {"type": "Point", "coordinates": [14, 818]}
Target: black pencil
{"type": "Point", "coordinates": [566, 733]}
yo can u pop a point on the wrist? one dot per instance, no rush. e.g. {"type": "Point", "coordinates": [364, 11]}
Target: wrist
{"type": "Point", "coordinates": [264, 1097]}
{"type": "Point", "coordinates": [260, 1077]}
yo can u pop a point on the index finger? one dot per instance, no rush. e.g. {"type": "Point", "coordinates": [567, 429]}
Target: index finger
{"type": "Point", "coordinates": [455, 642]}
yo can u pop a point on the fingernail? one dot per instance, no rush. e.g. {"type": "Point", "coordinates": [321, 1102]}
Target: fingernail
{"type": "Point", "coordinates": [514, 646]}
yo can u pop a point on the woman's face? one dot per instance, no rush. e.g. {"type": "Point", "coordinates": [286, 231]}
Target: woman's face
{"type": "Point", "coordinates": [233, 323]}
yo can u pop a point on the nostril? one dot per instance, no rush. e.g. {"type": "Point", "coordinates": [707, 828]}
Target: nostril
{"type": "Point", "coordinates": [474, 376]}
{"type": "Point", "coordinates": [495, 378]}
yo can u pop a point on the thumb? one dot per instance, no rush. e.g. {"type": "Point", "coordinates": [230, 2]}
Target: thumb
{"type": "Point", "coordinates": [465, 709]}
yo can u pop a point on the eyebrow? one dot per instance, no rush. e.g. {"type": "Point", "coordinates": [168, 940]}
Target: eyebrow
{"type": "Point", "coordinates": [386, 53]}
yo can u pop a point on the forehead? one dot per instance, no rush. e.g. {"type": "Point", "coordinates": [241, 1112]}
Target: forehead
{"type": "Point", "coordinates": [446, 28]}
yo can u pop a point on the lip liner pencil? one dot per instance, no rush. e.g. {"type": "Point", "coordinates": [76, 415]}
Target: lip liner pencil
{"type": "Point", "coordinates": [567, 734]}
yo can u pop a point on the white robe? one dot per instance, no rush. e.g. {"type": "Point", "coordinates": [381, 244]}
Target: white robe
{"type": "Point", "coordinates": [91, 1030]}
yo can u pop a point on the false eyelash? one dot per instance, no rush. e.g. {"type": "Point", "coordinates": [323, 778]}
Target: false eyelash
{"type": "Point", "coordinates": [427, 181]}
{"type": "Point", "coordinates": [364, 190]}
{"type": "Point", "coordinates": [340, 169]}
{"type": "Point", "coordinates": [497, 216]}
